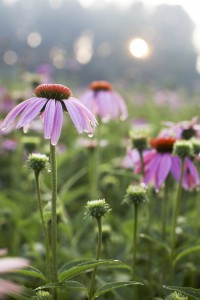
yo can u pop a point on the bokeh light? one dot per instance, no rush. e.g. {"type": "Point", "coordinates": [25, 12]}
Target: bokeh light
{"type": "Point", "coordinates": [58, 57]}
{"type": "Point", "coordinates": [34, 39]}
{"type": "Point", "coordinates": [83, 48]}
{"type": "Point", "coordinates": [10, 57]}
{"type": "Point", "coordinates": [139, 48]}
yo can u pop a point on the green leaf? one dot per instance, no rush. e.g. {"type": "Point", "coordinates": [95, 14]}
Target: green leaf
{"type": "Point", "coordinates": [70, 264]}
{"type": "Point", "coordinates": [155, 241]}
{"type": "Point", "coordinates": [185, 253]}
{"type": "Point", "coordinates": [32, 271]}
{"type": "Point", "coordinates": [47, 216]}
{"type": "Point", "coordinates": [194, 293]}
{"type": "Point", "coordinates": [87, 265]}
{"type": "Point", "coordinates": [74, 285]}
{"type": "Point", "coordinates": [113, 285]}
{"type": "Point", "coordinates": [26, 294]}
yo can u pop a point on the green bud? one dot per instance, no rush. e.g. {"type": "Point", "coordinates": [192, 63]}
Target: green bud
{"type": "Point", "coordinates": [136, 194]}
{"type": "Point", "coordinates": [139, 139]}
{"type": "Point", "coordinates": [176, 296]}
{"type": "Point", "coordinates": [97, 208]}
{"type": "Point", "coordinates": [37, 162]}
{"type": "Point", "coordinates": [183, 148]}
{"type": "Point", "coordinates": [42, 295]}
{"type": "Point", "coordinates": [196, 146]}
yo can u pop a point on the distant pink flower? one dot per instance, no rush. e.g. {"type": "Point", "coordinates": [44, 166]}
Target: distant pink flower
{"type": "Point", "coordinates": [159, 163]}
{"type": "Point", "coordinates": [9, 264]}
{"type": "Point", "coordinates": [182, 130]}
{"type": "Point", "coordinates": [103, 101]}
{"type": "Point", "coordinates": [49, 102]}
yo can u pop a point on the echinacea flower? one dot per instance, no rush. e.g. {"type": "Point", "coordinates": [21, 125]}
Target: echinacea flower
{"type": "Point", "coordinates": [159, 163]}
{"type": "Point", "coordinates": [182, 130]}
{"type": "Point", "coordinates": [103, 101]}
{"type": "Point", "coordinates": [9, 264]}
{"type": "Point", "coordinates": [49, 102]}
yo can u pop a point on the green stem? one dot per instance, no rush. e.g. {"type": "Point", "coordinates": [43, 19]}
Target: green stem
{"type": "Point", "coordinates": [134, 238]}
{"type": "Point", "coordinates": [164, 211]}
{"type": "Point", "coordinates": [176, 211]}
{"type": "Point", "coordinates": [54, 215]}
{"type": "Point", "coordinates": [94, 168]}
{"type": "Point", "coordinates": [46, 236]}
{"type": "Point", "coordinates": [142, 163]}
{"type": "Point", "coordinates": [91, 290]}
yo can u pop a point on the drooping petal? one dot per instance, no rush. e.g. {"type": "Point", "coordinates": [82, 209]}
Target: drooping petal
{"type": "Point", "coordinates": [31, 111]}
{"type": "Point", "coordinates": [89, 101]}
{"type": "Point", "coordinates": [190, 176]}
{"type": "Point", "coordinates": [7, 287]}
{"type": "Point", "coordinates": [151, 169]}
{"type": "Point", "coordinates": [121, 105]}
{"type": "Point", "coordinates": [82, 118]}
{"type": "Point", "coordinates": [15, 112]}
{"type": "Point", "coordinates": [104, 103]}
{"type": "Point", "coordinates": [48, 118]}
{"type": "Point", "coordinates": [57, 123]}
{"type": "Point", "coordinates": [8, 264]}
{"type": "Point", "coordinates": [163, 169]}
{"type": "Point", "coordinates": [176, 167]}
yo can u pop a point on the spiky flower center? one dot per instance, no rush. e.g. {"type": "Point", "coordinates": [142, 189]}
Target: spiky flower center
{"type": "Point", "coordinates": [163, 145]}
{"type": "Point", "coordinates": [100, 86]}
{"type": "Point", "coordinates": [53, 91]}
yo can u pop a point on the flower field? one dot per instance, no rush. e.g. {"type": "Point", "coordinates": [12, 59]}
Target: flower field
{"type": "Point", "coordinates": [99, 192]}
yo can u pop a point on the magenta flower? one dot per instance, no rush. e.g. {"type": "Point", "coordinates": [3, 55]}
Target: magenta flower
{"type": "Point", "coordinates": [49, 102]}
{"type": "Point", "coordinates": [159, 163]}
{"type": "Point", "coordinates": [9, 264]}
{"type": "Point", "coordinates": [103, 101]}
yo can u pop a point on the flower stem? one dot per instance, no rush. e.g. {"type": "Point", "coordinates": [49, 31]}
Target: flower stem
{"type": "Point", "coordinates": [142, 163]}
{"type": "Point", "coordinates": [54, 215]}
{"type": "Point", "coordinates": [176, 210]}
{"type": "Point", "coordinates": [46, 236]}
{"type": "Point", "coordinates": [94, 169]}
{"type": "Point", "coordinates": [135, 223]}
{"type": "Point", "coordinates": [134, 238]}
{"type": "Point", "coordinates": [91, 290]}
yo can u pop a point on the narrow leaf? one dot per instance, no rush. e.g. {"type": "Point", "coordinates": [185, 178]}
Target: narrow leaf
{"type": "Point", "coordinates": [74, 285]}
{"type": "Point", "coordinates": [75, 270]}
{"type": "Point", "coordinates": [113, 285]}
{"type": "Point", "coordinates": [155, 241]}
{"type": "Point", "coordinates": [194, 293]}
{"type": "Point", "coordinates": [32, 271]}
{"type": "Point", "coordinates": [185, 253]}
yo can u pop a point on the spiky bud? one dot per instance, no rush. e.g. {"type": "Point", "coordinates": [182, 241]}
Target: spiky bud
{"type": "Point", "coordinates": [176, 296]}
{"type": "Point", "coordinates": [37, 162]}
{"type": "Point", "coordinates": [183, 149]}
{"type": "Point", "coordinates": [136, 194]}
{"type": "Point", "coordinates": [97, 208]}
{"type": "Point", "coordinates": [196, 146]}
{"type": "Point", "coordinates": [42, 295]}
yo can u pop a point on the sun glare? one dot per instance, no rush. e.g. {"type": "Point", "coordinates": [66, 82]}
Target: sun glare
{"type": "Point", "coordinates": [139, 48]}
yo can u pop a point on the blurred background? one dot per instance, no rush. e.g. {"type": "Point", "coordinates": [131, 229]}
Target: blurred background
{"type": "Point", "coordinates": [151, 42]}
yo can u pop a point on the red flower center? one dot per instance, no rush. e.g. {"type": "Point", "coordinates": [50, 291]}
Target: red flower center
{"type": "Point", "coordinates": [53, 91]}
{"type": "Point", "coordinates": [100, 86]}
{"type": "Point", "coordinates": [163, 145]}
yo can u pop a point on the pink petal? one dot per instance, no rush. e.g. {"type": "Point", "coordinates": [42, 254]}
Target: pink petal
{"type": "Point", "coordinates": [57, 123]}
{"type": "Point", "coordinates": [163, 169]}
{"type": "Point", "coordinates": [9, 264]}
{"type": "Point", "coordinates": [48, 118]}
{"type": "Point", "coordinates": [31, 111]}
{"type": "Point", "coordinates": [15, 112]}
{"type": "Point", "coordinates": [122, 106]}
{"type": "Point", "coordinates": [8, 287]}
{"type": "Point", "coordinates": [151, 169]}
{"type": "Point", "coordinates": [82, 118]}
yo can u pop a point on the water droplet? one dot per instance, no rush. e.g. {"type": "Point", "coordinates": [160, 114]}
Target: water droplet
{"type": "Point", "coordinates": [122, 117]}
{"type": "Point", "coordinates": [90, 135]}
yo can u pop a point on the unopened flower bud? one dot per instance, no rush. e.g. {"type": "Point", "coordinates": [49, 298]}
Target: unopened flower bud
{"type": "Point", "coordinates": [176, 296]}
{"type": "Point", "coordinates": [42, 295]}
{"type": "Point", "coordinates": [139, 139]}
{"type": "Point", "coordinates": [97, 208]}
{"type": "Point", "coordinates": [37, 162]}
{"type": "Point", "coordinates": [136, 194]}
{"type": "Point", "coordinates": [196, 146]}
{"type": "Point", "coordinates": [183, 148]}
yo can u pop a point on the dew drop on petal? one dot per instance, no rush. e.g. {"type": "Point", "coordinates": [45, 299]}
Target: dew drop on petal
{"type": "Point", "coordinates": [90, 135]}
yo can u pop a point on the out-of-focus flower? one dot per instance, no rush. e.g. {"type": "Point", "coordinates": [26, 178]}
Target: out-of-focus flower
{"type": "Point", "coordinates": [9, 264]}
{"type": "Point", "coordinates": [159, 163]}
{"type": "Point", "coordinates": [167, 98]}
{"type": "Point", "coordinates": [182, 130]}
{"type": "Point", "coordinates": [6, 103]}
{"type": "Point", "coordinates": [103, 101]}
{"type": "Point", "coordinates": [49, 102]}
{"type": "Point", "coordinates": [45, 71]}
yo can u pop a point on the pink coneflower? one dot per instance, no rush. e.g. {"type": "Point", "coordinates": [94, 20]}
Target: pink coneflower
{"type": "Point", "coordinates": [10, 264]}
{"type": "Point", "coordinates": [103, 101]}
{"type": "Point", "coordinates": [182, 130]}
{"type": "Point", "coordinates": [49, 102]}
{"type": "Point", "coordinates": [159, 163]}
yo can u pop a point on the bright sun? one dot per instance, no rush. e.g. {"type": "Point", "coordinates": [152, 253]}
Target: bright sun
{"type": "Point", "coordinates": [139, 48]}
